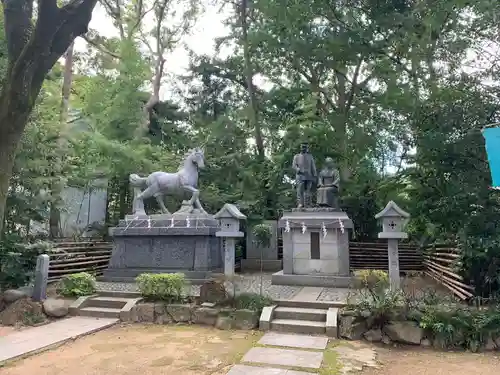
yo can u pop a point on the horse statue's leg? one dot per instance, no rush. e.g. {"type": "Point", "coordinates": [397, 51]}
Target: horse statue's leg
{"type": "Point", "coordinates": [148, 193]}
{"type": "Point", "coordinates": [161, 203]}
{"type": "Point", "coordinates": [194, 197]}
{"type": "Point", "coordinates": [198, 205]}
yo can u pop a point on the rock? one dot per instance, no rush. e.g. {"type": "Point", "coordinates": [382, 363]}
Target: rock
{"type": "Point", "coordinates": [426, 343]}
{"type": "Point", "coordinates": [366, 314]}
{"type": "Point", "coordinates": [224, 322]}
{"type": "Point", "coordinates": [143, 313]}
{"type": "Point", "coordinates": [205, 315]}
{"type": "Point", "coordinates": [386, 340]}
{"type": "Point", "coordinates": [490, 344]}
{"type": "Point", "coordinates": [208, 304]}
{"type": "Point", "coordinates": [180, 313]}
{"type": "Point", "coordinates": [55, 308]}
{"type": "Point", "coordinates": [373, 335]}
{"type": "Point", "coordinates": [12, 295]}
{"type": "Point", "coordinates": [246, 319]}
{"type": "Point", "coordinates": [351, 328]}
{"type": "Point", "coordinates": [161, 315]}
{"type": "Point", "coordinates": [23, 311]}
{"type": "Point", "coordinates": [404, 332]}
{"type": "Point", "coordinates": [213, 291]}
{"type": "Point", "coordinates": [497, 342]}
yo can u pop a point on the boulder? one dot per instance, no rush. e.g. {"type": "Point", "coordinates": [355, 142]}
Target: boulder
{"type": "Point", "coordinates": [386, 340]}
{"type": "Point", "coordinates": [224, 322]}
{"type": "Point", "coordinates": [22, 311]}
{"type": "Point", "coordinates": [180, 313]}
{"type": "Point", "coordinates": [160, 314]}
{"type": "Point", "coordinates": [426, 343]}
{"type": "Point", "coordinates": [246, 319]}
{"type": "Point", "coordinates": [351, 328]}
{"type": "Point", "coordinates": [12, 295]}
{"type": "Point", "coordinates": [143, 313]}
{"type": "Point", "coordinates": [373, 335]}
{"type": "Point", "coordinates": [205, 315]}
{"type": "Point", "coordinates": [404, 332]}
{"type": "Point", "coordinates": [490, 344]}
{"type": "Point", "coordinates": [213, 291]}
{"type": "Point", "coordinates": [55, 308]}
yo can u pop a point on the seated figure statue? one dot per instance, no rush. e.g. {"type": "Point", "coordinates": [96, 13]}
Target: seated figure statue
{"type": "Point", "coordinates": [328, 185]}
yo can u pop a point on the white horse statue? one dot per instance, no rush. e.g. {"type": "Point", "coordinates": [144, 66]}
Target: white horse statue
{"type": "Point", "coordinates": [159, 184]}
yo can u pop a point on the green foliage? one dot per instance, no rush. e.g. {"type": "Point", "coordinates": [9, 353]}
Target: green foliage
{"type": "Point", "coordinates": [18, 260]}
{"type": "Point", "coordinates": [161, 287]}
{"type": "Point", "coordinates": [262, 234]}
{"type": "Point", "coordinates": [379, 306]}
{"type": "Point", "coordinates": [452, 326]}
{"type": "Point", "coordinates": [77, 285]}
{"type": "Point", "coordinates": [252, 301]}
{"type": "Point", "coordinates": [371, 279]}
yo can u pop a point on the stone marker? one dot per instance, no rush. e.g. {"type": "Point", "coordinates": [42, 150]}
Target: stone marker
{"type": "Point", "coordinates": [294, 341]}
{"type": "Point", "coordinates": [255, 370]}
{"type": "Point", "coordinates": [284, 357]}
{"type": "Point", "coordinates": [41, 277]}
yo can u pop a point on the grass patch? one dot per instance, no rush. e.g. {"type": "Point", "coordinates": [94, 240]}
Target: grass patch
{"type": "Point", "coordinates": [331, 364]}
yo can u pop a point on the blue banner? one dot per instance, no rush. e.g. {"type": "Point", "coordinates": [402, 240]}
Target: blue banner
{"type": "Point", "coordinates": [492, 142]}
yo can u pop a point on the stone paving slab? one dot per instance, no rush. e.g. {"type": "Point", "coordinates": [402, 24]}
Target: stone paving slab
{"type": "Point", "coordinates": [294, 341]}
{"type": "Point", "coordinates": [44, 337]}
{"type": "Point", "coordinates": [284, 357]}
{"type": "Point", "coordinates": [254, 370]}
{"type": "Point", "coordinates": [308, 293]}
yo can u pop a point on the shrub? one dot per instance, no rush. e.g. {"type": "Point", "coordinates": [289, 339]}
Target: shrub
{"type": "Point", "coordinates": [262, 234]}
{"type": "Point", "coordinates": [77, 285]}
{"type": "Point", "coordinates": [460, 326]}
{"type": "Point", "coordinates": [371, 279]}
{"type": "Point", "coordinates": [379, 307]}
{"type": "Point", "coordinates": [161, 287]}
{"type": "Point", "coordinates": [252, 301]}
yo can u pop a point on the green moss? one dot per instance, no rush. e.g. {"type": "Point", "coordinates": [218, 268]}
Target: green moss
{"type": "Point", "coordinates": [331, 364]}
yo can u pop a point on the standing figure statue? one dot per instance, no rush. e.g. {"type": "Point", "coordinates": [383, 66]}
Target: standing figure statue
{"type": "Point", "coordinates": [328, 185]}
{"type": "Point", "coordinates": [159, 184]}
{"type": "Point", "coordinates": [305, 169]}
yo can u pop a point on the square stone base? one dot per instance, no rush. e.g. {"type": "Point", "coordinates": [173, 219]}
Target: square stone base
{"type": "Point", "coordinates": [324, 281]}
{"type": "Point", "coordinates": [267, 265]}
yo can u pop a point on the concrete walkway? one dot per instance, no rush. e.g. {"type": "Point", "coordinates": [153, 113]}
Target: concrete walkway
{"type": "Point", "coordinates": [283, 354]}
{"type": "Point", "coordinates": [32, 340]}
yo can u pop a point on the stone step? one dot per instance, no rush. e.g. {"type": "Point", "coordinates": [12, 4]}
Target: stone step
{"type": "Point", "coordinates": [100, 312]}
{"type": "Point", "coordinates": [325, 305]}
{"type": "Point", "coordinates": [258, 370]}
{"type": "Point", "coordinates": [299, 313]}
{"type": "Point", "coordinates": [109, 302]}
{"type": "Point", "coordinates": [307, 327]}
{"type": "Point", "coordinates": [118, 294]}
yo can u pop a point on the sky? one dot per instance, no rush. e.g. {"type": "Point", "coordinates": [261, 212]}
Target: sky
{"type": "Point", "coordinates": [208, 28]}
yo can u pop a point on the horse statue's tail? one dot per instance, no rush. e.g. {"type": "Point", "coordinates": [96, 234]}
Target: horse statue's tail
{"type": "Point", "coordinates": [136, 180]}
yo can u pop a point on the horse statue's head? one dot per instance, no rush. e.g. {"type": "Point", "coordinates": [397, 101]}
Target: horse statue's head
{"type": "Point", "coordinates": [197, 157]}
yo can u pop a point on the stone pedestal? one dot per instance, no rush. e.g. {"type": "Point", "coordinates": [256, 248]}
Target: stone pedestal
{"type": "Point", "coordinates": [180, 242]}
{"type": "Point", "coordinates": [318, 255]}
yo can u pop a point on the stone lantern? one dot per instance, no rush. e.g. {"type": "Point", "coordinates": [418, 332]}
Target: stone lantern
{"type": "Point", "coordinates": [229, 219]}
{"type": "Point", "coordinates": [393, 219]}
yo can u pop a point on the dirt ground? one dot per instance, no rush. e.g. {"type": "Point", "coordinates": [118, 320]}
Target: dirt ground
{"type": "Point", "coordinates": [142, 349]}
{"type": "Point", "coordinates": [416, 361]}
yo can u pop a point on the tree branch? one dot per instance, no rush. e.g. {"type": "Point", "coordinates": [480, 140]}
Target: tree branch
{"type": "Point", "coordinates": [18, 26]}
{"type": "Point", "coordinates": [99, 46]}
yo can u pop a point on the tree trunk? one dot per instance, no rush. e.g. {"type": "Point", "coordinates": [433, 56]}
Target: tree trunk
{"type": "Point", "coordinates": [58, 186]}
{"type": "Point", "coordinates": [8, 148]}
{"type": "Point", "coordinates": [249, 73]}
{"type": "Point", "coordinates": [33, 50]}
